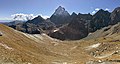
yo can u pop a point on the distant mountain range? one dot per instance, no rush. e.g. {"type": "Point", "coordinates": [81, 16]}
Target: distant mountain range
{"type": "Point", "coordinates": [62, 25]}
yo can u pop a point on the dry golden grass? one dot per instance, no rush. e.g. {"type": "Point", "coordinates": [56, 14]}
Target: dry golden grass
{"type": "Point", "coordinates": [41, 49]}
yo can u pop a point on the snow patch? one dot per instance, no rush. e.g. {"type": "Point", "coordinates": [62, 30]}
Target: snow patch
{"type": "Point", "coordinates": [35, 37]}
{"type": "Point", "coordinates": [73, 47]}
{"type": "Point", "coordinates": [105, 55]}
{"type": "Point", "coordinates": [59, 62]}
{"type": "Point", "coordinates": [29, 63]}
{"type": "Point", "coordinates": [55, 30]}
{"type": "Point", "coordinates": [5, 46]}
{"type": "Point", "coordinates": [93, 46]}
{"type": "Point", "coordinates": [38, 36]}
{"type": "Point", "coordinates": [63, 62]}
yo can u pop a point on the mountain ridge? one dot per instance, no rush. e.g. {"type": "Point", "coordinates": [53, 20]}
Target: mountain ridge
{"type": "Point", "coordinates": [61, 17]}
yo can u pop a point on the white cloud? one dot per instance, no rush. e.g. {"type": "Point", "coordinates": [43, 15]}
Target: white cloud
{"type": "Point", "coordinates": [25, 17]}
{"type": "Point", "coordinates": [93, 12]}
{"type": "Point", "coordinates": [107, 9]}
{"type": "Point", "coordinates": [97, 9]}
{"type": "Point", "coordinates": [21, 16]}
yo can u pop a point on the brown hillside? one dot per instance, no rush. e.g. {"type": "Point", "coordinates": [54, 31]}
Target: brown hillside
{"type": "Point", "coordinates": [21, 48]}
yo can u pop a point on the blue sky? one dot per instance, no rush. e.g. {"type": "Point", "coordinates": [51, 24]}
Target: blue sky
{"type": "Point", "coordinates": [47, 7]}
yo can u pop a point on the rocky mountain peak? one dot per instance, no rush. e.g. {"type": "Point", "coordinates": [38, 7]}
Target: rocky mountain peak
{"type": "Point", "coordinates": [36, 20]}
{"type": "Point", "coordinates": [115, 16]}
{"type": "Point", "coordinates": [101, 11]}
{"type": "Point", "coordinates": [39, 17]}
{"type": "Point", "coordinates": [60, 8]}
{"type": "Point", "coordinates": [61, 14]}
{"type": "Point", "coordinates": [73, 14]}
{"type": "Point", "coordinates": [61, 11]}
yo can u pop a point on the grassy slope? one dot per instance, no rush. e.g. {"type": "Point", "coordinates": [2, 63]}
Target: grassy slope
{"type": "Point", "coordinates": [41, 49]}
{"type": "Point", "coordinates": [24, 49]}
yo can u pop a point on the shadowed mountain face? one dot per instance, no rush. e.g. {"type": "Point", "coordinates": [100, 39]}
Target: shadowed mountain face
{"type": "Point", "coordinates": [115, 16]}
{"type": "Point", "coordinates": [104, 18]}
{"type": "Point", "coordinates": [37, 25]}
{"type": "Point", "coordinates": [60, 16]}
{"type": "Point", "coordinates": [109, 31]}
{"type": "Point", "coordinates": [100, 20]}
{"type": "Point", "coordinates": [74, 30]}
{"type": "Point", "coordinates": [34, 26]}
{"type": "Point", "coordinates": [85, 17]}
{"type": "Point", "coordinates": [82, 24]}
{"type": "Point", "coordinates": [36, 20]}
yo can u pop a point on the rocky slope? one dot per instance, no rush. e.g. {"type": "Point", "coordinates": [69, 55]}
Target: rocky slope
{"type": "Point", "coordinates": [110, 31]}
{"type": "Point", "coordinates": [109, 48]}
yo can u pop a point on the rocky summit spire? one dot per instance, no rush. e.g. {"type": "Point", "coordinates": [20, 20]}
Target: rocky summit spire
{"type": "Point", "coordinates": [61, 11]}
{"type": "Point", "coordinates": [60, 16]}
